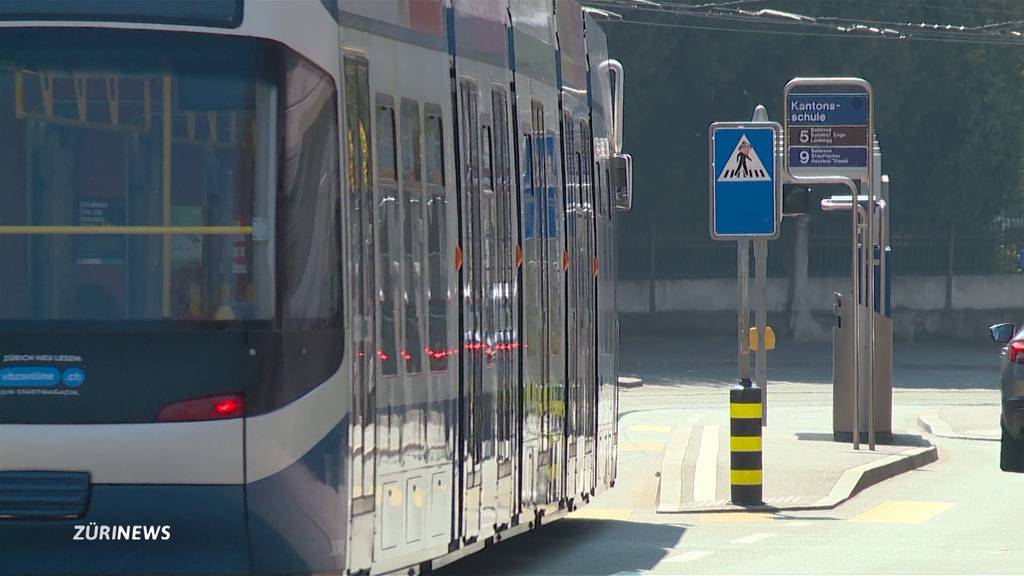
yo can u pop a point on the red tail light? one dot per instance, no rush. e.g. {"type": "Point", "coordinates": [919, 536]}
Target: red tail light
{"type": "Point", "coordinates": [1016, 349]}
{"type": "Point", "coordinates": [208, 408]}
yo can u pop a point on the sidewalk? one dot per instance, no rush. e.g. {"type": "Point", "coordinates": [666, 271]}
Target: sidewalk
{"type": "Point", "coordinates": [803, 468]}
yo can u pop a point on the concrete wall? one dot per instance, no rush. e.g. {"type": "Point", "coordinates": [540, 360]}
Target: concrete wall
{"type": "Point", "coordinates": [911, 293]}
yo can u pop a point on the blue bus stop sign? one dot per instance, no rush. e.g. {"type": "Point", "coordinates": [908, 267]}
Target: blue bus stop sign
{"type": "Point", "coordinates": [745, 185]}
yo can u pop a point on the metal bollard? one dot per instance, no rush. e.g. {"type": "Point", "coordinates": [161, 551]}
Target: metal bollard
{"type": "Point", "coordinates": [745, 472]}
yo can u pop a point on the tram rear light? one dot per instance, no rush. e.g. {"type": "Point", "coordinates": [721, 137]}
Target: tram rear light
{"type": "Point", "coordinates": [208, 408]}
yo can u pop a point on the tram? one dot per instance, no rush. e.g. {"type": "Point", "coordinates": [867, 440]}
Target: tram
{"type": "Point", "coordinates": [302, 286]}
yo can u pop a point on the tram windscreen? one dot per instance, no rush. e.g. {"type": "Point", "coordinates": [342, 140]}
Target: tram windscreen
{"type": "Point", "coordinates": [136, 180]}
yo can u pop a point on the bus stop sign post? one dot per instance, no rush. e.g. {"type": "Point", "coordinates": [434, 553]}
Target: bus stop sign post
{"type": "Point", "coordinates": [829, 137]}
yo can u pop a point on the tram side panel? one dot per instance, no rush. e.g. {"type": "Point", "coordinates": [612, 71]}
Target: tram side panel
{"type": "Point", "coordinates": [607, 330]}
{"type": "Point", "coordinates": [581, 333]}
{"type": "Point", "coordinates": [544, 252]}
{"type": "Point", "coordinates": [403, 506]}
{"type": "Point", "coordinates": [482, 81]}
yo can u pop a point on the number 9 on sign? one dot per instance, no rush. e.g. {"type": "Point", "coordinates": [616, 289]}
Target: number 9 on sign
{"type": "Point", "coordinates": [805, 156]}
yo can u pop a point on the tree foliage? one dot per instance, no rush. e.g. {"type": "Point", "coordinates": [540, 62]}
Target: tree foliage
{"type": "Point", "coordinates": [948, 115]}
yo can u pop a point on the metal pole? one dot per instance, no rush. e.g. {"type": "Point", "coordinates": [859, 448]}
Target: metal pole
{"type": "Point", "coordinates": [761, 318]}
{"type": "Point", "coordinates": [760, 114]}
{"type": "Point", "coordinates": [869, 240]}
{"type": "Point", "coordinates": [876, 185]}
{"type": "Point", "coordinates": [854, 281]}
{"type": "Point", "coordinates": [854, 297]}
{"type": "Point", "coordinates": [743, 276]}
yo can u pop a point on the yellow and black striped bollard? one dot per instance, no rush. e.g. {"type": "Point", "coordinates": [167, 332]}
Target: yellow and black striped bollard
{"type": "Point", "coordinates": [745, 444]}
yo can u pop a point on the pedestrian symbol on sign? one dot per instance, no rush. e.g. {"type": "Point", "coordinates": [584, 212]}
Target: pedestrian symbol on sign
{"type": "Point", "coordinates": [743, 164]}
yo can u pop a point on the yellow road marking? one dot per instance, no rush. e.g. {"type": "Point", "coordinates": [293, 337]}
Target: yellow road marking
{"type": "Point", "coordinates": [602, 514]}
{"type": "Point", "coordinates": [735, 517]}
{"type": "Point", "coordinates": [902, 512]}
{"type": "Point", "coordinates": [650, 428]}
{"type": "Point", "coordinates": [641, 446]}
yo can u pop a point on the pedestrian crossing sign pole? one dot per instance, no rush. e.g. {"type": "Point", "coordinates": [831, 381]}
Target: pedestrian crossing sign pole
{"type": "Point", "coordinates": [746, 187]}
{"type": "Point", "coordinates": [745, 205]}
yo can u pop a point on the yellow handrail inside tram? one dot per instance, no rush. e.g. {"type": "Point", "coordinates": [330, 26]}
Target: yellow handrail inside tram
{"type": "Point", "coordinates": [129, 230]}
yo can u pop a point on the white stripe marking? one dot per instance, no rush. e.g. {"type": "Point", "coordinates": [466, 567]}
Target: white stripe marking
{"type": "Point", "coordinates": [796, 523]}
{"type": "Point", "coordinates": [689, 556]}
{"type": "Point", "coordinates": [705, 477]}
{"type": "Point", "coordinates": [757, 537]}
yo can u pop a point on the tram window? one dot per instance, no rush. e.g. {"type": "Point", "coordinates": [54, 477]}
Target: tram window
{"type": "Point", "coordinates": [499, 106]}
{"type": "Point", "coordinates": [489, 241]}
{"type": "Point", "coordinates": [386, 143]}
{"type": "Point", "coordinates": [312, 254]}
{"type": "Point", "coordinates": [487, 158]}
{"type": "Point", "coordinates": [412, 218]}
{"type": "Point", "coordinates": [435, 151]}
{"type": "Point", "coordinates": [437, 246]}
{"type": "Point", "coordinates": [90, 159]}
{"type": "Point", "coordinates": [362, 268]}
{"type": "Point", "coordinates": [530, 229]}
{"type": "Point", "coordinates": [387, 224]}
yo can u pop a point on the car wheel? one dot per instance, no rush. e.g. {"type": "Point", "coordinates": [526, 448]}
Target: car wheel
{"type": "Point", "coordinates": [1011, 453]}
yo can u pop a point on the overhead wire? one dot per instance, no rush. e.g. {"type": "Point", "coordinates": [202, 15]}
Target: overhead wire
{"type": "Point", "coordinates": [998, 33]}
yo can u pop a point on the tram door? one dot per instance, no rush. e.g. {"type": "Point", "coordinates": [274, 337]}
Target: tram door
{"type": "Point", "coordinates": [586, 237]}
{"type": "Point", "coordinates": [362, 271]}
{"type": "Point", "coordinates": [581, 335]}
{"type": "Point", "coordinates": [570, 145]}
{"type": "Point", "coordinates": [479, 366]}
{"type": "Point", "coordinates": [553, 265]}
{"type": "Point", "coordinates": [505, 291]}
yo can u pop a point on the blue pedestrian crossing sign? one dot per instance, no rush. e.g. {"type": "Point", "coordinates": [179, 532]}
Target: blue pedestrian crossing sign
{"type": "Point", "coordinates": [745, 185]}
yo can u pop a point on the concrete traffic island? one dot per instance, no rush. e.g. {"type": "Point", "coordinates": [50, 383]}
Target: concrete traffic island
{"type": "Point", "coordinates": [804, 469]}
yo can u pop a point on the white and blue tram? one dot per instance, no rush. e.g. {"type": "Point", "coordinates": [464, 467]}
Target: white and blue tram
{"type": "Point", "coordinates": [302, 286]}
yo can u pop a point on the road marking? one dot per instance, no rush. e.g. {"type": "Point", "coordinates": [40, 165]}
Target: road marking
{"type": "Point", "coordinates": [602, 514]}
{"type": "Point", "coordinates": [756, 537]}
{"type": "Point", "coordinates": [650, 428]}
{"type": "Point", "coordinates": [641, 446]}
{"type": "Point", "coordinates": [735, 517]}
{"type": "Point", "coordinates": [705, 476]}
{"type": "Point", "coordinates": [795, 523]}
{"type": "Point", "coordinates": [688, 556]}
{"type": "Point", "coordinates": [783, 500]}
{"type": "Point", "coordinates": [712, 503]}
{"type": "Point", "coordinates": [902, 512]}
{"type": "Point", "coordinates": [670, 487]}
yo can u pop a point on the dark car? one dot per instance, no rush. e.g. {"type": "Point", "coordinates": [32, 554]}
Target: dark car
{"type": "Point", "coordinates": [1011, 453]}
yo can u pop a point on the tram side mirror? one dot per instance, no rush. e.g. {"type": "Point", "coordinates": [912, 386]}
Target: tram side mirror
{"type": "Point", "coordinates": [1002, 333]}
{"type": "Point", "coordinates": [620, 169]}
{"type": "Point", "coordinates": [796, 200]}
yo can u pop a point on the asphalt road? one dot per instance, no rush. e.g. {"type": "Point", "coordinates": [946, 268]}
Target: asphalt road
{"type": "Point", "coordinates": [960, 514]}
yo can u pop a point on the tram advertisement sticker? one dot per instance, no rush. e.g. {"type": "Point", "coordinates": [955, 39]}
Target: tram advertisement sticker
{"type": "Point", "coordinates": [41, 375]}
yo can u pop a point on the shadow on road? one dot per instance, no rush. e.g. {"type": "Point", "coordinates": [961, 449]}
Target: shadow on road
{"type": "Point", "coordinates": [576, 546]}
{"type": "Point", "coordinates": [908, 440]}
